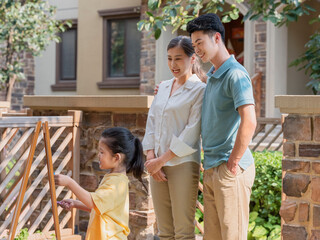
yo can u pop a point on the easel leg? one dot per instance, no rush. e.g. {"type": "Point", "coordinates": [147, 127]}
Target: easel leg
{"type": "Point", "coordinates": [51, 179]}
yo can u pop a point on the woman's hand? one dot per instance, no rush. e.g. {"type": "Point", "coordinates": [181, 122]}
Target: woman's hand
{"type": "Point", "coordinates": [67, 204]}
{"type": "Point", "coordinates": [156, 89]}
{"type": "Point", "coordinates": [154, 165]}
{"type": "Point", "coordinates": [150, 154]}
{"type": "Point", "coordinates": [62, 180]}
{"type": "Point", "coordinates": [160, 176]}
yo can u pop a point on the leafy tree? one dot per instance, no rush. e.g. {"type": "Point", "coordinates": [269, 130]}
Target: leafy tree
{"type": "Point", "coordinates": [26, 26]}
{"type": "Point", "coordinates": [177, 13]}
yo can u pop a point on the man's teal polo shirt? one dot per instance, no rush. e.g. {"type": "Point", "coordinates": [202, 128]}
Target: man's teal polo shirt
{"type": "Point", "coordinates": [227, 89]}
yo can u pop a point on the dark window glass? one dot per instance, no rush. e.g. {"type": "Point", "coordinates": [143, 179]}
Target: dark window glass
{"type": "Point", "coordinates": [124, 48]}
{"type": "Point", "coordinates": [68, 55]}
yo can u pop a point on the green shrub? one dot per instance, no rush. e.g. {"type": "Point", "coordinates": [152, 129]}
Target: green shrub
{"type": "Point", "coordinates": [23, 235]}
{"type": "Point", "coordinates": [264, 222]}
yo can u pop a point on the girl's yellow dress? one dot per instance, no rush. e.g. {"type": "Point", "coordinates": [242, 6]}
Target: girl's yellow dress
{"type": "Point", "coordinates": [109, 219]}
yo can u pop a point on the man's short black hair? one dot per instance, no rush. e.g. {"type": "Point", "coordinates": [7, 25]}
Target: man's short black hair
{"type": "Point", "coordinates": [208, 23]}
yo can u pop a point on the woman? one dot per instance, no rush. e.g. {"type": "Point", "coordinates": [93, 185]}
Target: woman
{"type": "Point", "coordinates": [172, 142]}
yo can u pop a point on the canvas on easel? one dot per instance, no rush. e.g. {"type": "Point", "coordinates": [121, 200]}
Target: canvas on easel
{"type": "Point", "coordinates": [25, 178]}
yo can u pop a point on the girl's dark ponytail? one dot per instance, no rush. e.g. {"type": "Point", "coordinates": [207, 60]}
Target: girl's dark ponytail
{"type": "Point", "coordinates": [136, 164]}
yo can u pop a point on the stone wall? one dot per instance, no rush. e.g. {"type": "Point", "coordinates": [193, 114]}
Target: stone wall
{"type": "Point", "coordinates": [300, 208]}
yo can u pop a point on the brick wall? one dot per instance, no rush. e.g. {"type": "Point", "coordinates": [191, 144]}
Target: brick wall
{"type": "Point", "coordinates": [142, 217]}
{"type": "Point", "coordinates": [147, 58]}
{"type": "Point", "coordinates": [300, 208]}
{"type": "Point", "coordinates": [260, 58]}
{"type": "Point", "coordinates": [24, 86]}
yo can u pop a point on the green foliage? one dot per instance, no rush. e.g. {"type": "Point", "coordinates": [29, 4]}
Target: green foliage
{"type": "Point", "coordinates": [310, 60]}
{"type": "Point", "coordinates": [25, 26]}
{"type": "Point", "coordinates": [264, 221]}
{"type": "Point", "coordinates": [23, 235]}
{"type": "Point", "coordinates": [8, 169]}
{"type": "Point", "coordinates": [278, 12]}
{"type": "Point", "coordinates": [177, 13]}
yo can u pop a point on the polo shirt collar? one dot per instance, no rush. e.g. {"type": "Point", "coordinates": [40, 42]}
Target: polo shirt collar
{"type": "Point", "coordinates": [222, 69]}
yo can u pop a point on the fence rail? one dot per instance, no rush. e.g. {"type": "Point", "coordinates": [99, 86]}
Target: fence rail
{"type": "Point", "coordinates": [16, 134]}
{"type": "Point", "coordinates": [268, 135]}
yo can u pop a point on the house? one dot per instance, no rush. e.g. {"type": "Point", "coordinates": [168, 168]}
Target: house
{"type": "Point", "coordinates": [104, 54]}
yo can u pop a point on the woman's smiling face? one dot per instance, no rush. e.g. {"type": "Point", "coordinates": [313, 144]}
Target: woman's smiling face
{"type": "Point", "coordinates": [179, 62]}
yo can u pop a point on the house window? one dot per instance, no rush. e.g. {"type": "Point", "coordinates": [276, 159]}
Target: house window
{"type": "Point", "coordinates": [66, 61]}
{"type": "Point", "coordinates": [121, 49]}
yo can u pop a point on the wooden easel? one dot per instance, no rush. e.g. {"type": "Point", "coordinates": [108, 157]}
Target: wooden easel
{"type": "Point", "coordinates": [25, 178]}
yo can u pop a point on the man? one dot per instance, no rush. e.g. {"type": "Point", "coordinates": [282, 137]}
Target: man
{"type": "Point", "coordinates": [227, 127]}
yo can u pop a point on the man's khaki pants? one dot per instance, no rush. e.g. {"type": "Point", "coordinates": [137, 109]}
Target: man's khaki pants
{"type": "Point", "coordinates": [226, 202]}
{"type": "Point", "coordinates": [175, 201]}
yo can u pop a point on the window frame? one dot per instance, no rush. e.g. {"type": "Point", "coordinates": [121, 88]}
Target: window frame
{"type": "Point", "coordinates": [116, 82]}
{"type": "Point", "coordinates": [66, 84]}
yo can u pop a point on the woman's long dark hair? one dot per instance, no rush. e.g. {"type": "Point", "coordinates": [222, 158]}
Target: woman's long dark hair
{"type": "Point", "coordinates": [121, 140]}
{"type": "Point", "coordinates": [185, 43]}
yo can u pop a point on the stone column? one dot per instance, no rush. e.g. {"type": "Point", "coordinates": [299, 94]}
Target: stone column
{"type": "Point", "coordinates": [300, 207]}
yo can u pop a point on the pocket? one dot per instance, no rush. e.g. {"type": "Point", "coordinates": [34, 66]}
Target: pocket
{"type": "Point", "coordinates": [249, 176]}
{"type": "Point", "coordinates": [226, 172]}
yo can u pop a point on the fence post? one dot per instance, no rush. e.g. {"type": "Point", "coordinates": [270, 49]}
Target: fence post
{"type": "Point", "coordinates": [75, 147]}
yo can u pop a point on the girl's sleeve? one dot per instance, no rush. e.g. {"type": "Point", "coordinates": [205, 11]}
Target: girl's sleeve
{"type": "Point", "coordinates": [182, 145]}
{"type": "Point", "coordinates": [104, 197]}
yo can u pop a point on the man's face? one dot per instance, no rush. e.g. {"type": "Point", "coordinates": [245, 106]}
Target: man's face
{"type": "Point", "coordinates": [205, 46]}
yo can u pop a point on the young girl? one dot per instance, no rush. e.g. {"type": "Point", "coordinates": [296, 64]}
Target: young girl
{"type": "Point", "coordinates": [172, 142]}
{"type": "Point", "coordinates": [120, 152]}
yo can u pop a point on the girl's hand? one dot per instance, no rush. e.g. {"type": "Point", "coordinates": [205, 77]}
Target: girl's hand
{"type": "Point", "coordinates": [67, 204]}
{"type": "Point", "coordinates": [154, 165]}
{"type": "Point", "coordinates": [62, 180]}
{"type": "Point", "coordinates": [160, 176]}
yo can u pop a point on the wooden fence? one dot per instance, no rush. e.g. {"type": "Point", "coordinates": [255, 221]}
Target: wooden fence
{"type": "Point", "coordinates": [268, 136]}
{"type": "Point", "coordinates": [16, 133]}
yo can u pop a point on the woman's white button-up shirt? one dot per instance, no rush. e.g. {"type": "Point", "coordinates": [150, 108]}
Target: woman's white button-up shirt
{"type": "Point", "coordinates": [174, 121]}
